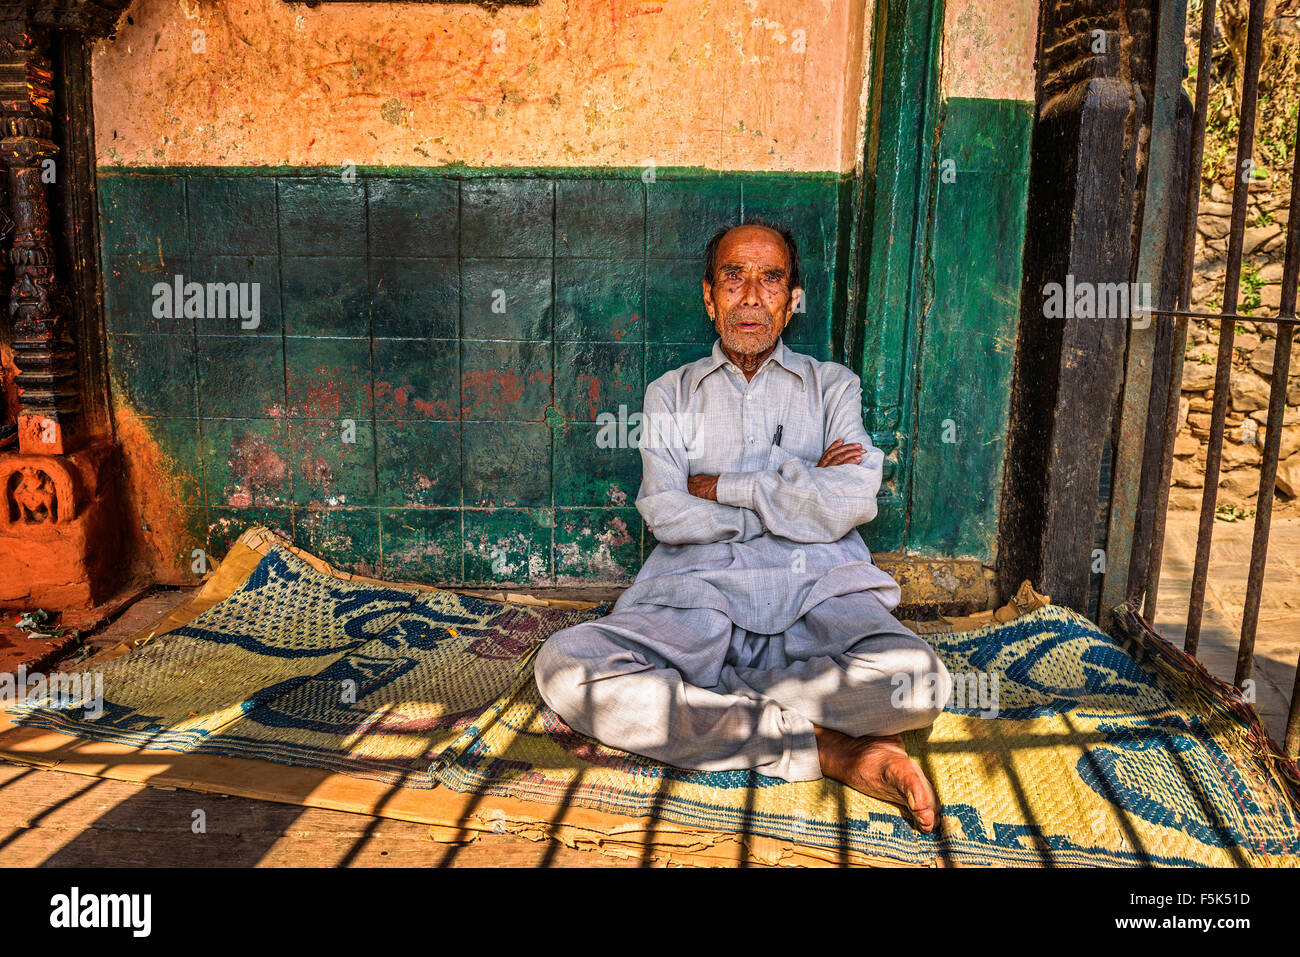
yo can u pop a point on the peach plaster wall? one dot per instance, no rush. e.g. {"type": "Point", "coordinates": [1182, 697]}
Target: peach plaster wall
{"type": "Point", "coordinates": [724, 84]}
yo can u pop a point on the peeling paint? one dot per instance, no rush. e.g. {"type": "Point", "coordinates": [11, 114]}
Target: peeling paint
{"type": "Point", "coordinates": [989, 48]}
{"type": "Point", "coordinates": [586, 82]}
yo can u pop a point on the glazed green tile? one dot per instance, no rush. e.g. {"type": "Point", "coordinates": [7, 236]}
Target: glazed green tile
{"type": "Point", "coordinates": [599, 299]}
{"type": "Point", "coordinates": [421, 545]}
{"type": "Point", "coordinates": [328, 378]}
{"type": "Point", "coordinates": [821, 351]}
{"type": "Point", "coordinates": [648, 542]}
{"type": "Point", "coordinates": [240, 376]}
{"type": "Point", "coordinates": [597, 544]}
{"type": "Point", "coordinates": [180, 458]}
{"type": "Point", "coordinates": [598, 464]}
{"type": "Point", "coordinates": [251, 307]}
{"type": "Point", "coordinates": [503, 381]}
{"type": "Point", "coordinates": [415, 298]}
{"type": "Point", "coordinates": [247, 462]}
{"type": "Point", "coordinates": [675, 302]}
{"type": "Point", "coordinates": [596, 377]}
{"type": "Point", "coordinates": [347, 538]}
{"type": "Point", "coordinates": [326, 296]}
{"type": "Point", "coordinates": [887, 529]}
{"type": "Point", "coordinates": [154, 375]}
{"type": "Point", "coordinates": [508, 545]}
{"type": "Point", "coordinates": [506, 298]}
{"type": "Point", "coordinates": [413, 217]}
{"type": "Point", "coordinates": [132, 300]}
{"type": "Point", "coordinates": [328, 470]}
{"type": "Point", "coordinates": [418, 463]}
{"type": "Point", "coordinates": [143, 216]}
{"type": "Point", "coordinates": [417, 378]}
{"type": "Point", "coordinates": [813, 323]}
{"type": "Point", "coordinates": [807, 206]}
{"type": "Point", "coordinates": [225, 525]}
{"type": "Point", "coordinates": [506, 217]}
{"type": "Point", "coordinates": [232, 215]}
{"type": "Point", "coordinates": [323, 216]}
{"type": "Point", "coordinates": [506, 463]}
{"type": "Point", "coordinates": [683, 215]}
{"type": "Point", "coordinates": [665, 357]}
{"type": "Point", "coordinates": [600, 219]}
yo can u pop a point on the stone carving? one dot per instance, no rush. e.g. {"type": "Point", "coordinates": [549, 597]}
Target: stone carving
{"type": "Point", "coordinates": [34, 496]}
{"type": "Point", "coordinates": [38, 490]}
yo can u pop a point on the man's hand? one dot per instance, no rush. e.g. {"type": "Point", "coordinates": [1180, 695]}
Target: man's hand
{"type": "Point", "coordinates": [703, 486]}
{"type": "Point", "coordinates": [837, 453]}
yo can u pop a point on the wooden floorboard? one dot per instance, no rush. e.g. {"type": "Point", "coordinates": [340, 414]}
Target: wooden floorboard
{"type": "Point", "coordinates": [54, 819]}
{"type": "Point", "coordinates": [1277, 637]}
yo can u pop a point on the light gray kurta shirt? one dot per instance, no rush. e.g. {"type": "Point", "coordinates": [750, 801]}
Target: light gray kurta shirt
{"type": "Point", "coordinates": [782, 535]}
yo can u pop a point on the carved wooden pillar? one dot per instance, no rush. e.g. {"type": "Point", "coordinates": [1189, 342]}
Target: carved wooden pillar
{"type": "Point", "coordinates": [1085, 191]}
{"type": "Point", "coordinates": [38, 309]}
{"type": "Point", "coordinates": [60, 547]}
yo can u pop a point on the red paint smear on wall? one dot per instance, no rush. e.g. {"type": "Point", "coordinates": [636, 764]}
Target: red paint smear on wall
{"type": "Point", "coordinates": [257, 466]}
{"type": "Point", "coordinates": [393, 401]}
{"type": "Point", "coordinates": [593, 395]}
{"type": "Point", "coordinates": [490, 393]}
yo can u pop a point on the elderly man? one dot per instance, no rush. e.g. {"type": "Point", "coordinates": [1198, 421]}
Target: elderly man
{"type": "Point", "coordinates": [758, 634]}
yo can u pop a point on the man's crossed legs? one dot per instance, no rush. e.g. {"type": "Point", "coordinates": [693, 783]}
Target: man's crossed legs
{"type": "Point", "coordinates": [689, 688]}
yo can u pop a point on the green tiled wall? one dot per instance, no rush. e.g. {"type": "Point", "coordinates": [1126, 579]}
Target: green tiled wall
{"type": "Point", "coordinates": [473, 455]}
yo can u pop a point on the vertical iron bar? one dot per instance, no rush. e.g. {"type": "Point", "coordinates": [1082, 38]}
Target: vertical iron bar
{"type": "Point", "coordinates": [1204, 62]}
{"type": "Point", "coordinates": [1231, 286]}
{"type": "Point", "coordinates": [1273, 437]}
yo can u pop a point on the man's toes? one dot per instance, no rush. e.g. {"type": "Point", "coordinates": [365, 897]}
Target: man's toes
{"type": "Point", "coordinates": [921, 799]}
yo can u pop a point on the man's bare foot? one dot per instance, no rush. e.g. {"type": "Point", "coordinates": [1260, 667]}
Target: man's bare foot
{"type": "Point", "coordinates": [881, 768]}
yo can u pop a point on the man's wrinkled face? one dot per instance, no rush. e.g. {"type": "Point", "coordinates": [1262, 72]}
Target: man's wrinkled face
{"type": "Point", "coordinates": [750, 299]}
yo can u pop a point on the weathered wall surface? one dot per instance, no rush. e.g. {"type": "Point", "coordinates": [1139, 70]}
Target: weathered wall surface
{"type": "Point", "coordinates": [419, 391]}
{"type": "Point", "coordinates": [439, 334]}
{"type": "Point", "coordinates": [723, 84]}
{"type": "Point", "coordinates": [988, 49]}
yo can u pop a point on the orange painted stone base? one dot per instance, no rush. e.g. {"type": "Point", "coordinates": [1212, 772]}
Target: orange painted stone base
{"type": "Point", "coordinates": [61, 546]}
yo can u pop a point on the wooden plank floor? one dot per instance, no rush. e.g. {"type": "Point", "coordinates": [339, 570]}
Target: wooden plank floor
{"type": "Point", "coordinates": [52, 818]}
{"type": "Point", "coordinates": [1277, 638]}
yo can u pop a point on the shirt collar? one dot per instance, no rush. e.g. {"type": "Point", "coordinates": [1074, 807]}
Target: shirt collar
{"type": "Point", "coordinates": [780, 355]}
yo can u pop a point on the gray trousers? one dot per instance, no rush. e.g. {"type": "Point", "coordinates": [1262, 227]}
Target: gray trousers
{"type": "Point", "coordinates": [689, 688]}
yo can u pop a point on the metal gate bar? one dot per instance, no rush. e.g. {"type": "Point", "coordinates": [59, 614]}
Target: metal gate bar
{"type": "Point", "coordinates": [1228, 318]}
{"type": "Point", "coordinates": [1227, 329]}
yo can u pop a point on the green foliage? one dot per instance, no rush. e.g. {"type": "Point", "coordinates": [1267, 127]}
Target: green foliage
{"type": "Point", "coordinates": [1250, 283]}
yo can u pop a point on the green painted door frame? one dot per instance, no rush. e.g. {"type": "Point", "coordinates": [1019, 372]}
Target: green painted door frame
{"type": "Point", "coordinates": [878, 332]}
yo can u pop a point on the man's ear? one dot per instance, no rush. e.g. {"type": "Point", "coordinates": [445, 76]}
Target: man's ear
{"type": "Point", "coordinates": [707, 288]}
{"type": "Point", "coordinates": [796, 299]}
